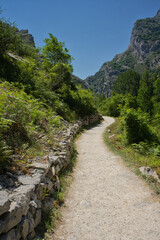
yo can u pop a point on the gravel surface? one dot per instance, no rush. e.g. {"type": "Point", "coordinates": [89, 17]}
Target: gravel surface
{"type": "Point", "coordinates": [106, 201]}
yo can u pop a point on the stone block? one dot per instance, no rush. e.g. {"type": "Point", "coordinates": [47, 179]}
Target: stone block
{"type": "Point", "coordinates": [22, 196]}
{"type": "Point", "coordinates": [53, 160]}
{"type": "Point", "coordinates": [42, 166]}
{"type": "Point", "coordinates": [24, 225]}
{"type": "Point", "coordinates": [12, 218]}
{"type": "Point", "coordinates": [4, 202]}
{"type": "Point", "coordinates": [14, 234]}
{"type": "Point", "coordinates": [31, 222]}
{"type": "Point", "coordinates": [37, 217]}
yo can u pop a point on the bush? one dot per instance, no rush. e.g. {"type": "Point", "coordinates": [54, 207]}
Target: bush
{"type": "Point", "coordinates": [136, 127]}
{"type": "Point", "coordinates": [112, 106]}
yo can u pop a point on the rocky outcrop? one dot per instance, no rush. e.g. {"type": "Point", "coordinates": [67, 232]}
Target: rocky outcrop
{"type": "Point", "coordinates": [26, 37]}
{"type": "Point", "coordinates": [143, 53]}
{"type": "Point", "coordinates": [21, 203]}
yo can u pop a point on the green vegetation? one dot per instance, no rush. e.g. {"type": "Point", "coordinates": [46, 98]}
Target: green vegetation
{"type": "Point", "coordinates": [148, 29]}
{"type": "Point", "coordinates": [36, 94]}
{"type": "Point", "coordinates": [127, 82]}
{"type": "Point", "coordinates": [137, 106]}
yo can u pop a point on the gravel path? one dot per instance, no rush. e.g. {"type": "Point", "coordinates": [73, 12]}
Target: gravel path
{"type": "Point", "coordinates": [106, 201]}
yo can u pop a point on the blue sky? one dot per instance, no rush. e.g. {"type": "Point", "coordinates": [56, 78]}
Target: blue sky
{"type": "Point", "coordinates": [94, 31]}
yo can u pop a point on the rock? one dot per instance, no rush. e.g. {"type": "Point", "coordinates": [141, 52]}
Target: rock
{"type": "Point", "coordinates": [53, 171]}
{"type": "Point", "coordinates": [32, 207]}
{"type": "Point", "coordinates": [43, 166]}
{"type": "Point", "coordinates": [14, 234]}
{"type": "Point", "coordinates": [53, 160]}
{"type": "Point", "coordinates": [22, 196]}
{"type": "Point", "coordinates": [37, 217]}
{"type": "Point", "coordinates": [26, 180]}
{"type": "Point", "coordinates": [26, 37]}
{"type": "Point", "coordinates": [58, 169]}
{"type": "Point", "coordinates": [49, 184]}
{"type": "Point", "coordinates": [58, 184]}
{"type": "Point", "coordinates": [4, 202]}
{"type": "Point", "coordinates": [11, 218]}
{"type": "Point", "coordinates": [31, 222]}
{"type": "Point", "coordinates": [149, 172]}
{"type": "Point", "coordinates": [24, 227]}
{"type": "Point", "coordinates": [31, 235]}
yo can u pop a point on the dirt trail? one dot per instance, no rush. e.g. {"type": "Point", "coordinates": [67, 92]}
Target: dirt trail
{"type": "Point", "coordinates": [106, 201]}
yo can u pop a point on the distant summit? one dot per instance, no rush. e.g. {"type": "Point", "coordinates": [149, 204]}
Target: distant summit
{"type": "Point", "coordinates": [143, 53]}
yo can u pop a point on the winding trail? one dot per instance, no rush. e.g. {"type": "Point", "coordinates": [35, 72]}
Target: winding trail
{"type": "Point", "coordinates": [106, 201]}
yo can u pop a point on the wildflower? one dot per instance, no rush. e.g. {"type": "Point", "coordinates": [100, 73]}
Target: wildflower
{"type": "Point", "coordinates": [5, 113]}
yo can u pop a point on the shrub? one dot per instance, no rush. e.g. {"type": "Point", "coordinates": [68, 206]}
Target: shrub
{"type": "Point", "coordinates": [136, 127]}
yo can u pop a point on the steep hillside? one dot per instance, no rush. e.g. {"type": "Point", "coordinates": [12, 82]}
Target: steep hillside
{"type": "Point", "coordinates": [143, 53]}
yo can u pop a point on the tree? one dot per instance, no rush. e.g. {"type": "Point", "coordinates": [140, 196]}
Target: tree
{"type": "Point", "coordinates": [60, 73]}
{"type": "Point", "coordinates": [9, 40]}
{"type": "Point", "coordinates": [145, 93]}
{"type": "Point", "coordinates": [127, 82]}
{"type": "Point", "coordinates": [55, 52]}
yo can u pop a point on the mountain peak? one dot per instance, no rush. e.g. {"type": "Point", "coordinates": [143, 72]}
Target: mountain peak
{"type": "Point", "coordinates": [158, 13]}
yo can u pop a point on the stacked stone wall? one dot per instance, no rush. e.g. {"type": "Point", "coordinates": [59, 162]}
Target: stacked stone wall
{"type": "Point", "coordinates": [21, 209]}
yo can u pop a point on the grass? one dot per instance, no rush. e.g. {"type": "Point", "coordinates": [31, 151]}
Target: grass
{"type": "Point", "coordinates": [133, 158]}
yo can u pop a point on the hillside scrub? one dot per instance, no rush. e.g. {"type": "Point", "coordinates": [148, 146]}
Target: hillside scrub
{"type": "Point", "coordinates": [37, 94]}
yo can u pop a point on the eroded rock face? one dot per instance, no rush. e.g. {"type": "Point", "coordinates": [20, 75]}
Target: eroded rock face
{"type": "Point", "coordinates": [21, 206]}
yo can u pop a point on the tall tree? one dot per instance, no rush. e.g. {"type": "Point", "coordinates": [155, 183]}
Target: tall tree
{"type": "Point", "coordinates": [9, 40]}
{"type": "Point", "coordinates": [55, 52]}
{"type": "Point", "coordinates": [145, 93]}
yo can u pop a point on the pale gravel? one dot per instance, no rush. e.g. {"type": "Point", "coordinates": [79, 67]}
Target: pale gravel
{"type": "Point", "coordinates": [106, 201]}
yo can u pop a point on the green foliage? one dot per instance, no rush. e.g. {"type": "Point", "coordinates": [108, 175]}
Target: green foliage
{"type": "Point", "coordinates": [151, 29]}
{"type": "Point", "coordinates": [127, 82]}
{"type": "Point", "coordinates": [136, 127]}
{"type": "Point", "coordinates": [21, 116]}
{"type": "Point", "coordinates": [9, 40]}
{"type": "Point", "coordinates": [112, 106]}
{"type": "Point", "coordinates": [36, 91]}
{"type": "Point", "coordinates": [55, 52]}
{"type": "Point", "coordinates": [145, 93]}
{"type": "Point", "coordinates": [60, 74]}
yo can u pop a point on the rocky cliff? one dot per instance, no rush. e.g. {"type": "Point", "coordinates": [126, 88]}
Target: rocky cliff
{"type": "Point", "coordinates": [143, 53]}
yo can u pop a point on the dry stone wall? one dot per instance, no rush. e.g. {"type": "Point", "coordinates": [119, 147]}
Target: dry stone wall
{"type": "Point", "coordinates": [21, 208]}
